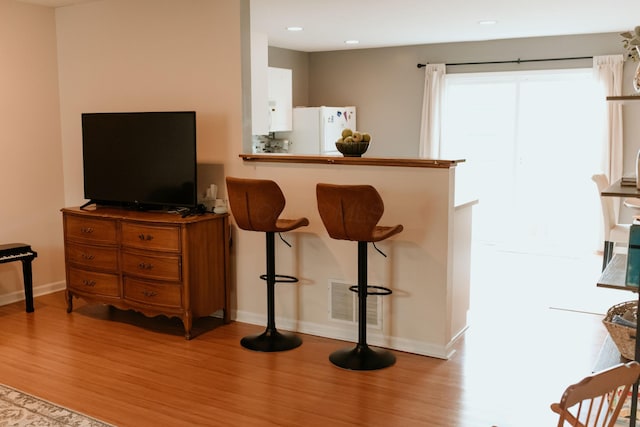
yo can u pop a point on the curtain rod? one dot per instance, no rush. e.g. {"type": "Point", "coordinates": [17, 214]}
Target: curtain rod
{"type": "Point", "coordinates": [517, 61]}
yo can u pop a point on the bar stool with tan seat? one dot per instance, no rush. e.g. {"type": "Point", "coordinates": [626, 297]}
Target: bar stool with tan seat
{"type": "Point", "coordinates": [256, 205]}
{"type": "Point", "coordinates": [352, 212]}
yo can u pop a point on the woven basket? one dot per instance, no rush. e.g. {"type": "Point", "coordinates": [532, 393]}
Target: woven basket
{"type": "Point", "coordinates": [623, 336]}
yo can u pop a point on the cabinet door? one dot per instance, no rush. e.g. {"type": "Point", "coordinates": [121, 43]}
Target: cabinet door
{"type": "Point", "coordinates": [259, 84]}
{"type": "Point", "coordinates": [280, 88]}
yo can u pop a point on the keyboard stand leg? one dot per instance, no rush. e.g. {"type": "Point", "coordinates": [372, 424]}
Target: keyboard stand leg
{"type": "Point", "coordinates": [28, 284]}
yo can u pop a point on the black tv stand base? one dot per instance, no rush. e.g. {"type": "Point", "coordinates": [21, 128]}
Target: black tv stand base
{"type": "Point", "coordinates": [90, 202]}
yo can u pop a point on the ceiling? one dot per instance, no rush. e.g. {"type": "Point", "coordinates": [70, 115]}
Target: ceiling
{"type": "Point", "coordinates": [327, 24]}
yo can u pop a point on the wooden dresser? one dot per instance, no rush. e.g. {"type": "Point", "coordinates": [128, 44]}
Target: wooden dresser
{"type": "Point", "coordinates": [152, 262]}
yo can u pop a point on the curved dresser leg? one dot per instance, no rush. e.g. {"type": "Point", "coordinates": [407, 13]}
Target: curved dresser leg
{"type": "Point", "coordinates": [188, 323]}
{"type": "Point", "coordinates": [69, 302]}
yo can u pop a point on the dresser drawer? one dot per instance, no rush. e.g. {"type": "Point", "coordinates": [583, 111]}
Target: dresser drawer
{"type": "Point", "coordinates": [102, 258]}
{"type": "Point", "coordinates": [153, 237]}
{"type": "Point", "coordinates": [93, 282]}
{"type": "Point", "coordinates": [90, 230]}
{"type": "Point", "coordinates": [152, 267]}
{"type": "Point", "coordinates": [156, 294]}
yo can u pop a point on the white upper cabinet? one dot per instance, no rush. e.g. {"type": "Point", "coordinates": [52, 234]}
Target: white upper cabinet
{"type": "Point", "coordinates": [259, 84]}
{"type": "Point", "coordinates": [280, 99]}
{"type": "Point", "coordinates": [271, 91]}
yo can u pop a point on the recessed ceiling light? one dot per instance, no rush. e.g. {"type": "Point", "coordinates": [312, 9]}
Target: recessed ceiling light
{"type": "Point", "coordinates": [351, 41]}
{"type": "Point", "coordinates": [294, 28]}
{"type": "Point", "coordinates": [488, 22]}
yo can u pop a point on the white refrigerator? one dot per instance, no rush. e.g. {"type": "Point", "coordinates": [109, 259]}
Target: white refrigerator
{"type": "Point", "coordinates": [316, 129]}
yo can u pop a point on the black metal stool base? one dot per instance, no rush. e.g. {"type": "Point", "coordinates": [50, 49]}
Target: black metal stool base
{"type": "Point", "coordinates": [362, 358]}
{"type": "Point", "coordinates": [269, 341]}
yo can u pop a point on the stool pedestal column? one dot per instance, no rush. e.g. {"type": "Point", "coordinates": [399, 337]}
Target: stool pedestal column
{"type": "Point", "coordinates": [272, 339]}
{"type": "Point", "coordinates": [362, 357]}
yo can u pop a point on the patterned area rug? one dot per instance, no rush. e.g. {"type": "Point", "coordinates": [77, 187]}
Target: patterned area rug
{"type": "Point", "coordinates": [22, 409]}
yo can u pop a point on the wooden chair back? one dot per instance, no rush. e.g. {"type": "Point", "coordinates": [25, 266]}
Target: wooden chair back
{"type": "Point", "coordinates": [598, 399]}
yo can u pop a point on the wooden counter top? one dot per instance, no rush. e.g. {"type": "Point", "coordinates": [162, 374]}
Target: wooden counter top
{"type": "Point", "coordinates": [618, 190]}
{"type": "Point", "coordinates": [150, 216]}
{"type": "Point", "coordinates": [358, 161]}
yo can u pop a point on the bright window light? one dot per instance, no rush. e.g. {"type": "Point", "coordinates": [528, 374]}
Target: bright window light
{"type": "Point", "coordinates": [528, 136]}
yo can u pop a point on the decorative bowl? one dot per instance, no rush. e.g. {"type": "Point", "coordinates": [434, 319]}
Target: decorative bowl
{"type": "Point", "coordinates": [352, 149]}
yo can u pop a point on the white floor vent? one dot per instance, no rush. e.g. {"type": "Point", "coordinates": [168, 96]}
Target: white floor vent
{"type": "Point", "coordinates": [343, 305]}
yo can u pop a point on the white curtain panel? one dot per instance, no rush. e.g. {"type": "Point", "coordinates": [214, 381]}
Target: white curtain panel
{"type": "Point", "coordinates": [608, 72]}
{"type": "Point", "coordinates": [433, 95]}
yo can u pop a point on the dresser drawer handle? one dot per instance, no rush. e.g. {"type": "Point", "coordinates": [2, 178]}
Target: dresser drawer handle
{"type": "Point", "coordinates": [87, 282]}
{"type": "Point", "coordinates": [149, 294]}
{"type": "Point", "coordinates": [86, 230]}
{"type": "Point", "coordinates": [144, 237]}
{"type": "Point", "coordinates": [143, 266]}
{"type": "Point", "coordinates": [87, 256]}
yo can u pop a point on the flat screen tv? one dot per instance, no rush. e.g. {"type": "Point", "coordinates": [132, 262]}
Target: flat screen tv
{"type": "Point", "coordinates": [143, 160]}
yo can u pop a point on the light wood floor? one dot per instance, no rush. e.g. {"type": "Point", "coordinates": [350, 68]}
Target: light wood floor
{"type": "Point", "coordinates": [132, 371]}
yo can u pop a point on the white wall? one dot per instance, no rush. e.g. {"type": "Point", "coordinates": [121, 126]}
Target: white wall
{"type": "Point", "coordinates": [145, 55]}
{"type": "Point", "coordinates": [31, 180]}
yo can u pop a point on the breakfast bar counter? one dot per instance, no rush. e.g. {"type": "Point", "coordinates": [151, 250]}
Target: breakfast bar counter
{"type": "Point", "coordinates": [356, 161]}
{"type": "Point", "coordinates": [427, 265]}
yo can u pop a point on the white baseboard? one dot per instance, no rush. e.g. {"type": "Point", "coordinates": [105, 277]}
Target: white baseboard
{"type": "Point", "coordinates": [338, 332]}
{"type": "Point", "coordinates": [351, 334]}
{"type": "Point", "coordinates": [39, 290]}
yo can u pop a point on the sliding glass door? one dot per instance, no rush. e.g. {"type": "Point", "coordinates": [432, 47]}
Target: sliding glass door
{"type": "Point", "coordinates": [532, 143]}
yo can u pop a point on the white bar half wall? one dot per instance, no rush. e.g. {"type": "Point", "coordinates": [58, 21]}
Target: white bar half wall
{"type": "Point", "coordinates": [425, 264]}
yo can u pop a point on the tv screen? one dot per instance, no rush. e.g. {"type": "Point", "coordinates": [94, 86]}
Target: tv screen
{"type": "Point", "coordinates": [143, 160]}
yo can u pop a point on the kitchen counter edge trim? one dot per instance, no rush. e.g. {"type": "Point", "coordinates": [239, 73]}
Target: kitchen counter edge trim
{"type": "Point", "coordinates": [359, 161]}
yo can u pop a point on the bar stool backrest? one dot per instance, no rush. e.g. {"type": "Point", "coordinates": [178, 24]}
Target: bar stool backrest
{"type": "Point", "coordinates": [256, 204]}
{"type": "Point", "coordinates": [350, 212]}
